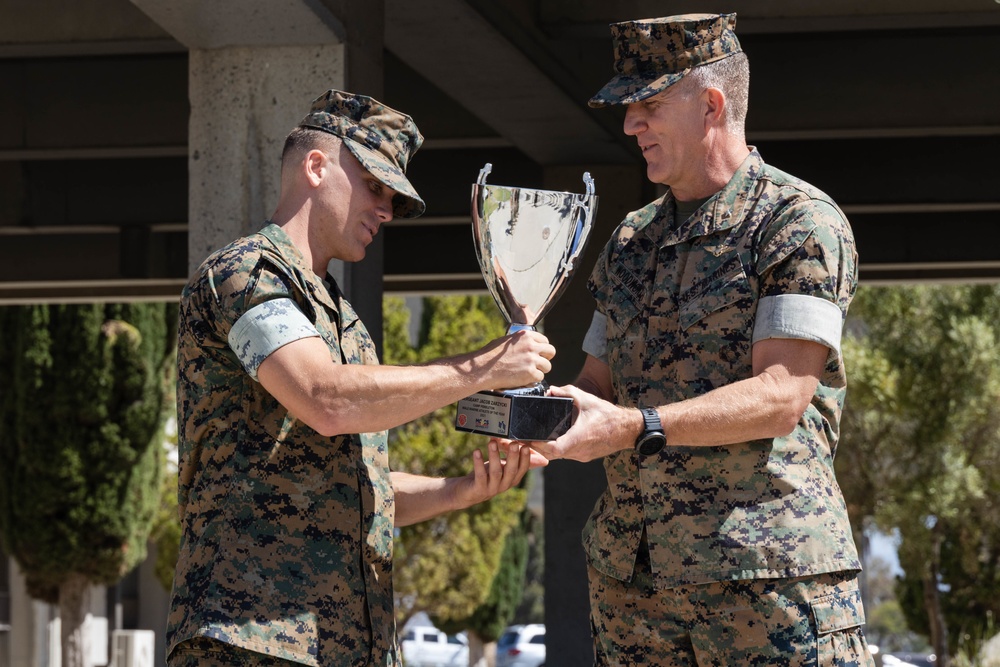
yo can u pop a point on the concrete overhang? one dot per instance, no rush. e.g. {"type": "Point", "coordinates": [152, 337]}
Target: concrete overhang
{"type": "Point", "coordinates": [227, 23]}
{"type": "Point", "coordinates": [515, 86]}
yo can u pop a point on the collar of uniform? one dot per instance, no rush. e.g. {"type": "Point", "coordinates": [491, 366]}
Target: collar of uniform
{"type": "Point", "coordinates": [723, 210]}
{"type": "Point", "coordinates": [297, 261]}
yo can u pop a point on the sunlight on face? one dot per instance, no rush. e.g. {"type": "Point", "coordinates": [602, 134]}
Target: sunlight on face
{"type": "Point", "coordinates": [670, 130]}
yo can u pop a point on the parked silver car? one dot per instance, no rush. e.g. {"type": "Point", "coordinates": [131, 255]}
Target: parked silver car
{"type": "Point", "coordinates": [522, 646]}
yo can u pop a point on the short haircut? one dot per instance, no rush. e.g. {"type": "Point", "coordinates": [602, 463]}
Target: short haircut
{"type": "Point", "coordinates": [301, 140]}
{"type": "Point", "coordinates": [732, 76]}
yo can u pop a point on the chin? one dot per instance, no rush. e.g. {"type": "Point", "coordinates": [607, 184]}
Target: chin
{"type": "Point", "coordinates": [350, 257]}
{"type": "Point", "coordinates": [656, 176]}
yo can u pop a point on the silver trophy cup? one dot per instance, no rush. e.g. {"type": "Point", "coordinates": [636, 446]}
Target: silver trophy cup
{"type": "Point", "coordinates": [528, 243]}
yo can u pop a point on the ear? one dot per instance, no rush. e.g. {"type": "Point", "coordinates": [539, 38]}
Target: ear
{"type": "Point", "coordinates": [314, 166]}
{"type": "Point", "coordinates": [715, 106]}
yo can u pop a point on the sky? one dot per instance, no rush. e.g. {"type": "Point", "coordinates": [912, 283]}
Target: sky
{"type": "Point", "coordinates": [884, 546]}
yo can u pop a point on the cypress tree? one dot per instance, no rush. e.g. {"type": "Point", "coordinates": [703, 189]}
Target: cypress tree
{"type": "Point", "coordinates": [81, 415]}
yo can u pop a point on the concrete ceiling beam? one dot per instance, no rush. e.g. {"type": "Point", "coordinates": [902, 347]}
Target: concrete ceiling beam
{"type": "Point", "coordinates": [458, 50]}
{"type": "Point", "coordinates": [226, 23]}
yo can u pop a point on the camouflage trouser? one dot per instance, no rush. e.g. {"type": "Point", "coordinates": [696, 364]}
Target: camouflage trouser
{"type": "Point", "coordinates": [803, 622]}
{"type": "Point", "coordinates": [204, 652]}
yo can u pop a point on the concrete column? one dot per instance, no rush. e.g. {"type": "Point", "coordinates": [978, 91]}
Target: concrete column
{"type": "Point", "coordinates": [254, 67]}
{"type": "Point", "coordinates": [244, 101]}
{"type": "Point", "coordinates": [27, 637]}
{"type": "Point", "coordinates": [571, 488]}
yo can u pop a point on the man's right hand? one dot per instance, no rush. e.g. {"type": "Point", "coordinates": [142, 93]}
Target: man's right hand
{"type": "Point", "coordinates": [517, 360]}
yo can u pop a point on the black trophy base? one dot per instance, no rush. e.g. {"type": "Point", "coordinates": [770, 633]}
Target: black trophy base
{"type": "Point", "coordinates": [515, 414]}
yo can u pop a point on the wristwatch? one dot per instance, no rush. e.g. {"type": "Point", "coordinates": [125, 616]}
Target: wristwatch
{"type": "Point", "coordinates": [652, 439]}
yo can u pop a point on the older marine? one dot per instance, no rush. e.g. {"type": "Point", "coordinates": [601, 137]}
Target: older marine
{"type": "Point", "coordinates": [714, 382]}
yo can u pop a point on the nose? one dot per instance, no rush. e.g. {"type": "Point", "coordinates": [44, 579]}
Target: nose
{"type": "Point", "coordinates": [634, 121]}
{"type": "Point", "coordinates": [384, 209]}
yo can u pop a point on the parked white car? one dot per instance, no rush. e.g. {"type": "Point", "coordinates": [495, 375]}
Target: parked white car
{"type": "Point", "coordinates": [522, 646]}
{"type": "Point", "coordinates": [429, 647]}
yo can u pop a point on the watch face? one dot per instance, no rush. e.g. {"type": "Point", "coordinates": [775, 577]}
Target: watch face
{"type": "Point", "coordinates": [652, 443]}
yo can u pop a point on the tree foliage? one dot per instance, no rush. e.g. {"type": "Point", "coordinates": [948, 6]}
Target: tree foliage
{"type": "Point", "coordinates": [920, 447]}
{"type": "Point", "coordinates": [450, 566]}
{"type": "Point", "coordinates": [80, 429]}
{"type": "Point", "coordinates": [489, 619]}
{"type": "Point", "coordinates": [165, 534]}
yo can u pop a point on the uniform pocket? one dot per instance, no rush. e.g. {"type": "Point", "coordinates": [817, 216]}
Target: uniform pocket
{"type": "Point", "coordinates": [839, 640]}
{"type": "Point", "coordinates": [621, 315]}
{"type": "Point", "coordinates": [723, 292]}
{"type": "Point", "coordinates": [838, 612]}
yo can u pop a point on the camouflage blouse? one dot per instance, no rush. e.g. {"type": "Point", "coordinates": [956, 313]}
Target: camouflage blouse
{"type": "Point", "coordinates": [680, 300]}
{"type": "Point", "coordinates": [286, 544]}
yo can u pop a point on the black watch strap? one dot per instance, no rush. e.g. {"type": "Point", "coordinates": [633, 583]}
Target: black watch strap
{"type": "Point", "coordinates": [652, 419]}
{"type": "Point", "coordinates": [652, 438]}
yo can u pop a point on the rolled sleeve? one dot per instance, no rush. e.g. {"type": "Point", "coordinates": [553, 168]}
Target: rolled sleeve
{"type": "Point", "coordinates": [266, 327]}
{"type": "Point", "coordinates": [595, 343]}
{"type": "Point", "coordinates": [799, 316]}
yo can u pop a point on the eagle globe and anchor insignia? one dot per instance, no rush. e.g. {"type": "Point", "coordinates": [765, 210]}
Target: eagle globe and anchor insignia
{"type": "Point", "coordinates": [528, 243]}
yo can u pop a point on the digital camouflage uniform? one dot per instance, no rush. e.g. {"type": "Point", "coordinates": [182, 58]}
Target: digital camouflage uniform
{"type": "Point", "coordinates": [287, 534]}
{"type": "Point", "coordinates": [681, 300]}
{"type": "Point", "coordinates": [739, 554]}
{"type": "Point", "coordinates": [286, 546]}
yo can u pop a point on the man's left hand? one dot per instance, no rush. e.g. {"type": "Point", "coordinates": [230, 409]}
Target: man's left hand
{"type": "Point", "coordinates": [496, 475]}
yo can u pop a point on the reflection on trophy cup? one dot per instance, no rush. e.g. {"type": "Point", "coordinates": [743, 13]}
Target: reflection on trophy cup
{"type": "Point", "coordinates": [528, 243]}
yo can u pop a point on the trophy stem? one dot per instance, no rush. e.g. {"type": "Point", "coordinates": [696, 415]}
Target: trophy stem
{"type": "Point", "coordinates": [514, 328]}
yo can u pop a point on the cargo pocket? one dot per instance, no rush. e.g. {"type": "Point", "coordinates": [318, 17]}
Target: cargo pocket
{"type": "Point", "coordinates": [838, 620]}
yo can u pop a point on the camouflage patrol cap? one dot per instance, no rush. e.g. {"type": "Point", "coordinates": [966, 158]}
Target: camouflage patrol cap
{"type": "Point", "coordinates": [653, 54]}
{"type": "Point", "coordinates": [382, 139]}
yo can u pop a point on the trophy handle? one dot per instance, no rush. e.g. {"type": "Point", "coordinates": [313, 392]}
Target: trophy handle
{"type": "Point", "coordinates": [584, 220]}
{"type": "Point", "coordinates": [484, 172]}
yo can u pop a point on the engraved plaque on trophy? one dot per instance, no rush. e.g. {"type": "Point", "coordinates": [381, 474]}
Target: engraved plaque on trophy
{"type": "Point", "coordinates": [528, 243]}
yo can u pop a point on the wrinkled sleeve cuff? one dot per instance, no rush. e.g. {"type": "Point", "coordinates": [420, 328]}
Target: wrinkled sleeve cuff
{"type": "Point", "coordinates": [266, 327]}
{"type": "Point", "coordinates": [799, 316]}
{"type": "Point", "coordinates": [595, 343]}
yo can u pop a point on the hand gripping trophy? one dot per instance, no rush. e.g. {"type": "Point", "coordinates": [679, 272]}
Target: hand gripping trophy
{"type": "Point", "coordinates": [528, 243]}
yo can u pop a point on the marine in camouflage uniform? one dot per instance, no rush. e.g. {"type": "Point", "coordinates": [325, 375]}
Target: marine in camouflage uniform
{"type": "Point", "coordinates": [286, 549]}
{"type": "Point", "coordinates": [715, 550]}
{"type": "Point", "coordinates": [263, 530]}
